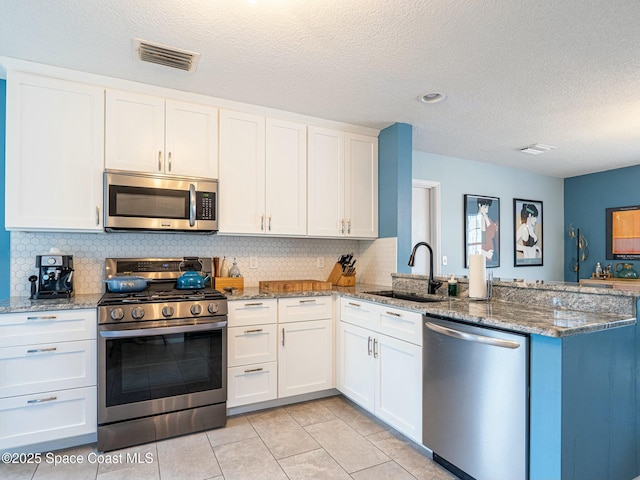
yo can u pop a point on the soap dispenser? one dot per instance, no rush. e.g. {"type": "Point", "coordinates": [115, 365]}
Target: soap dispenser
{"type": "Point", "coordinates": [452, 285]}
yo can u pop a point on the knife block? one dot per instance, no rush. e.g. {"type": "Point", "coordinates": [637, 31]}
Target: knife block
{"type": "Point", "coordinates": [337, 278]}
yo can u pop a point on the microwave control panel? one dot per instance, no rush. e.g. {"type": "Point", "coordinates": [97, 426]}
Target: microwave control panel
{"type": "Point", "coordinates": [205, 205]}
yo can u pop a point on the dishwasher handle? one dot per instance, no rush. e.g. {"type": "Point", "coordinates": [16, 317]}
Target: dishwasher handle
{"type": "Point", "coordinates": [471, 337]}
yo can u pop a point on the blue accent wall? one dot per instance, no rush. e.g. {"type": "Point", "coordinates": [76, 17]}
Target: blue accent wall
{"type": "Point", "coordinates": [394, 189]}
{"type": "Point", "coordinates": [586, 198]}
{"type": "Point", "coordinates": [5, 250]}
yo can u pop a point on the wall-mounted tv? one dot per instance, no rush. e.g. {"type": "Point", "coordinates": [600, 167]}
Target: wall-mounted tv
{"type": "Point", "coordinates": [623, 233]}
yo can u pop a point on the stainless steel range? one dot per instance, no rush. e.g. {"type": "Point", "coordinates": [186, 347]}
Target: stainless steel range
{"type": "Point", "coordinates": [162, 354]}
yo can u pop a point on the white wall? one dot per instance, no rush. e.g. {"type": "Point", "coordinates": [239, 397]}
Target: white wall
{"type": "Point", "coordinates": [458, 177]}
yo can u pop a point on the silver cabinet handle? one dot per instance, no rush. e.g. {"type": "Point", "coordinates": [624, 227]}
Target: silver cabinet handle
{"type": "Point", "coordinates": [255, 330]}
{"type": "Point", "coordinates": [43, 317]}
{"type": "Point", "coordinates": [342, 228]}
{"type": "Point", "coordinates": [355, 304]}
{"type": "Point", "coordinates": [41, 400]}
{"type": "Point", "coordinates": [42, 350]}
{"type": "Point", "coordinates": [471, 337]}
{"type": "Point", "coordinates": [269, 222]}
{"type": "Point", "coordinates": [262, 223]}
{"type": "Point", "coordinates": [369, 346]}
{"type": "Point", "coordinates": [169, 161]}
{"type": "Point", "coordinates": [255, 304]}
{"type": "Point", "coordinates": [253, 370]}
{"type": "Point", "coordinates": [283, 337]}
{"type": "Point", "coordinates": [159, 161]}
{"type": "Point", "coordinates": [349, 226]}
{"type": "Point", "coordinates": [375, 348]}
{"type": "Point", "coordinates": [394, 314]}
{"type": "Point", "coordinates": [97, 216]}
{"type": "Point", "coordinates": [311, 300]}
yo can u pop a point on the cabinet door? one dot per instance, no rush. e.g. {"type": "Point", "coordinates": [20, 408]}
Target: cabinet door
{"type": "Point", "coordinates": [361, 185]}
{"type": "Point", "coordinates": [134, 133]}
{"type": "Point", "coordinates": [326, 183]}
{"type": "Point", "coordinates": [253, 344]}
{"type": "Point", "coordinates": [399, 385]}
{"type": "Point", "coordinates": [242, 173]}
{"type": "Point", "coordinates": [305, 359]}
{"type": "Point", "coordinates": [357, 366]}
{"type": "Point", "coordinates": [286, 177]}
{"type": "Point", "coordinates": [191, 139]}
{"type": "Point", "coordinates": [55, 136]}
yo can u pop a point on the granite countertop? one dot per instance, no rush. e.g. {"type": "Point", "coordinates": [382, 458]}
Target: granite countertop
{"type": "Point", "coordinates": [507, 315]}
{"type": "Point", "coordinates": [24, 304]}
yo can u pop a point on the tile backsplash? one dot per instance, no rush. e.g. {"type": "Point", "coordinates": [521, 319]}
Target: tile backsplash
{"type": "Point", "coordinates": [278, 258]}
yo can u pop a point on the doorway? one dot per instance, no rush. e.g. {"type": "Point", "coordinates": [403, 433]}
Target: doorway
{"type": "Point", "coordinates": [425, 224]}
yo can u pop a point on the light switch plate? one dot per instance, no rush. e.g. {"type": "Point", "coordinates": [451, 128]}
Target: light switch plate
{"type": "Point", "coordinates": [253, 262]}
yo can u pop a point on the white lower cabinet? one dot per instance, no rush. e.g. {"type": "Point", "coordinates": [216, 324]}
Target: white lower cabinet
{"type": "Point", "coordinates": [278, 348]}
{"type": "Point", "coordinates": [47, 385]}
{"type": "Point", "coordinates": [380, 372]}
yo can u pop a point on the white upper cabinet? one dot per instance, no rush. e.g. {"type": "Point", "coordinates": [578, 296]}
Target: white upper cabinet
{"type": "Point", "coordinates": [343, 184]}
{"type": "Point", "coordinates": [145, 133]}
{"type": "Point", "coordinates": [262, 175]}
{"type": "Point", "coordinates": [54, 154]}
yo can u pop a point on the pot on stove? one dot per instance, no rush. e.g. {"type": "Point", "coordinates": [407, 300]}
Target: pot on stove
{"type": "Point", "coordinates": [126, 284]}
{"type": "Point", "coordinates": [191, 280]}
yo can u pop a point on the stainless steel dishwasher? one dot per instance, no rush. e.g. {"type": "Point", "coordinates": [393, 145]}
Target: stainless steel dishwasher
{"type": "Point", "coordinates": [475, 399]}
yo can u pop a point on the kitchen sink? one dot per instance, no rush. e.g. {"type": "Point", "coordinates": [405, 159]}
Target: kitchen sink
{"type": "Point", "coordinates": [414, 297]}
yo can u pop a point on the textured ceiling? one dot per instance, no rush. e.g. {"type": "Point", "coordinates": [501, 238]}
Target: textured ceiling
{"type": "Point", "coordinates": [563, 73]}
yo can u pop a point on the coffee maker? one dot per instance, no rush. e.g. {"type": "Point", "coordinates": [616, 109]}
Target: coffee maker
{"type": "Point", "coordinates": [55, 276]}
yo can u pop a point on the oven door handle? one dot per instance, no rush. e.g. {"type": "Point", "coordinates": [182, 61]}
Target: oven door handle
{"type": "Point", "coordinates": [163, 330]}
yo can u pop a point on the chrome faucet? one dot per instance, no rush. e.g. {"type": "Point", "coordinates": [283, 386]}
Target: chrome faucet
{"type": "Point", "coordinates": [433, 285]}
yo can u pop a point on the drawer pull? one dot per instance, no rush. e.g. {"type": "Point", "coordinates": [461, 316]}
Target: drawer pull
{"type": "Point", "coordinates": [307, 301]}
{"type": "Point", "coordinates": [42, 350]}
{"type": "Point", "coordinates": [256, 304]}
{"type": "Point", "coordinates": [355, 304]}
{"type": "Point", "coordinates": [394, 314]}
{"type": "Point", "coordinates": [255, 330]}
{"type": "Point", "coordinates": [43, 317]}
{"type": "Point", "coordinates": [41, 400]}
{"type": "Point", "coordinates": [254, 370]}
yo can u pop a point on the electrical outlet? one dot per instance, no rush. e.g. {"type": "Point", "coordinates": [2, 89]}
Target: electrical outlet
{"type": "Point", "coordinates": [444, 260]}
{"type": "Point", "coordinates": [320, 262]}
{"type": "Point", "coordinates": [253, 262]}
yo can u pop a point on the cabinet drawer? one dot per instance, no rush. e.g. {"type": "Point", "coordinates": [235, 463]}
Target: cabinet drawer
{"type": "Point", "coordinates": [251, 384]}
{"type": "Point", "coordinates": [357, 312]}
{"type": "Point", "coordinates": [304, 308]}
{"type": "Point", "coordinates": [397, 323]}
{"type": "Point", "coordinates": [252, 344]}
{"type": "Point", "coordinates": [47, 327]}
{"type": "Point", "coordinates": [39, 368]}
{"type": "Point", "coordinates": [47, 416]}
{"type": "Point", "coordinates": [252, 312]}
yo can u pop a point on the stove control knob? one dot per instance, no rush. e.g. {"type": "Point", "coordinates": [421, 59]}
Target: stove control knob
{"type": "Point", "coordinates": [137, 313]}
{"type": "Point", "coordinates": [168, 311]}
{"type": "Point", "coordinates": [213, 308]}
{"type": "Point", "coordinates": [196, 309]}
{"type": "Point", "coordinates": [117, 314]}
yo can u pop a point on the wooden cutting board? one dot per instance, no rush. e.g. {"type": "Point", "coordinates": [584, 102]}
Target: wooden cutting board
{"type": "Point", "coordinates": [274, 286]}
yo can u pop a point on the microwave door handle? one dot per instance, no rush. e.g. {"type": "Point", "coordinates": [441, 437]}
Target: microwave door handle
{"type": "Point", "coordinates": [192, 205]}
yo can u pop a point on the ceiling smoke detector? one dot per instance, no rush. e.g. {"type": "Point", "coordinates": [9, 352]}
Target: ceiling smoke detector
{"type": "Point", "coordinates": [537, 148]}
{"type": "Point", "coordinates": [165, 55]}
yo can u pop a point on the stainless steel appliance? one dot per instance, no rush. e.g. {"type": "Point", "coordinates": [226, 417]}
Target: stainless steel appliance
{"type": "Point", "coordinates": [140, 201]}
{"type": "Point", "coordinates": [162, 355]}
{"type": "Point", "coordinates": [55, 276]}
{"type": "Point", "coordinates": [475, 403]}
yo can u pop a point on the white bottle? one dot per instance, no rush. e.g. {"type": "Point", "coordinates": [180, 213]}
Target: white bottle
{"type": "Point", "coordinates": [224, 268]}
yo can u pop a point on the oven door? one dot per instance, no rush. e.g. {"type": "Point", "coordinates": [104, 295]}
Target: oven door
{"type": "Point", "coordinates": [146, 369]}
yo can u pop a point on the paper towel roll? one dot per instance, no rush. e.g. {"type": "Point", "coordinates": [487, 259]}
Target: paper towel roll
{"type": "Point", "coordinates": [477, 276]}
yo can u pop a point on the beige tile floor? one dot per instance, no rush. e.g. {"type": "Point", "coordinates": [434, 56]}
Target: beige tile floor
{"type": "Point", "coordinates": [327, 439]}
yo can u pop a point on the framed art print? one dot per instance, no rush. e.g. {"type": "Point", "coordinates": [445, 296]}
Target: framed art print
{"type": "Point", "coordinates": [527, 232]}
{"type": "Point", "coordinates": [481, 220]}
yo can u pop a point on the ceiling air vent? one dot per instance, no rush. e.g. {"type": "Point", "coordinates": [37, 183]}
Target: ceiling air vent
{"type": "Point", "coordinates": [164, 55]}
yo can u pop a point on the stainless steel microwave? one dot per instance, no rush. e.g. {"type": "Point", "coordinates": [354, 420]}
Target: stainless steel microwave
{"type": "Point", "coordinates": [157, 202]}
